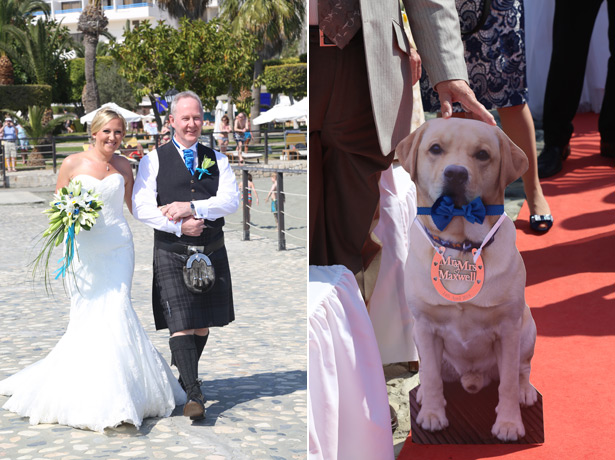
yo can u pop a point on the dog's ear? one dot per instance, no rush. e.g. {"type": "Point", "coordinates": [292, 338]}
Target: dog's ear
{"type": "Point", "coordinates": [514, 161]}
{"type": "Point", "coordinates": [407, 150]}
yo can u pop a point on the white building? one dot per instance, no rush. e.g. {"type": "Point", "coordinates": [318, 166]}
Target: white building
{"type": "Point", "coordinates": [118, 12]}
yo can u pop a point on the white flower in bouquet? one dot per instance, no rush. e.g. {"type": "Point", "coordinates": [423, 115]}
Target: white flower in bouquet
{"type": "Point", "coordinates": [72, 210]}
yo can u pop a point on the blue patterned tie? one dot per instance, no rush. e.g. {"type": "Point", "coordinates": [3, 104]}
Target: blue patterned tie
{"type": "Point", "coordinates": [189, 159]}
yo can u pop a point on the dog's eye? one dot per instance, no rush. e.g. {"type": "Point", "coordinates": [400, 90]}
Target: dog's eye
{"type": "Point", "coordinates": [435, 149]}
{"type": "Point", "coordinates": [482, 155]}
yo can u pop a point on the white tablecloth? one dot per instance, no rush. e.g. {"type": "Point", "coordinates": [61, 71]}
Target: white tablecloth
{"type": "Point", "coordinates": [347, 399]}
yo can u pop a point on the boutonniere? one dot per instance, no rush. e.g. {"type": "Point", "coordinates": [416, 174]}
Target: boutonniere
{"type": "Point", "coordinates": [207, 163]}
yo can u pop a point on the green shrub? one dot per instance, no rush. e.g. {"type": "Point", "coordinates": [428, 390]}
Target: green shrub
{"type": "Point", "coordinates": [20, 97]}
{"type": "Point", "coordinates": [289, 79]}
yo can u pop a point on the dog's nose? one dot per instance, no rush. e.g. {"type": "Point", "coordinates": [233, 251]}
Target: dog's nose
{"type": "Point", "coordinates": [456, 175]}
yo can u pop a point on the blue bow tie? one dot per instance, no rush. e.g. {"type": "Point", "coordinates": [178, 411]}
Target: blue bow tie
{"type": "Point", "coordinates": [443, 211]}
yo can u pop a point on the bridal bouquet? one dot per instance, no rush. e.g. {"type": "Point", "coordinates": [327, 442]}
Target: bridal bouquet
{"type": "Point", "coordinates": [72, 210]}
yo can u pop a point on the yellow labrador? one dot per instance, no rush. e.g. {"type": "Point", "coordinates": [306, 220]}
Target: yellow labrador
{"type": "Point", "coordinates": [470, 325]}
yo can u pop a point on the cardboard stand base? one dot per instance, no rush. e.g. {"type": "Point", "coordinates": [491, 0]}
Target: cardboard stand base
{"type": "Point", "coordinates": [471, 416]}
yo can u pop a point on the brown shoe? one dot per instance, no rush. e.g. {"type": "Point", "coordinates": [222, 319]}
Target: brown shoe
{"type": "Point", "coordinates": [195, 409]}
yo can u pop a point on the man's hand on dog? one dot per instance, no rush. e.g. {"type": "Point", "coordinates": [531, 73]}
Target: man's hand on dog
{"type": "Point", "coordinates": [451, 91]}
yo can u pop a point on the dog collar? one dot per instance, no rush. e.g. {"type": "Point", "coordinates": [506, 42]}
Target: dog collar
{"type": "Point", "coordinates": [485, 242]}
{"type": "Point", "coordinates": [463, 246]}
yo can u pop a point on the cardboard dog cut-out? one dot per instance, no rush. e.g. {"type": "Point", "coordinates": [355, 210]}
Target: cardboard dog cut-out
{"type": "Point", "coordinates": [461, 168]}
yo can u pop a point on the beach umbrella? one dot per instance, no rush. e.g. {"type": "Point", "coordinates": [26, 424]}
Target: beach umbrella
{"type": "Point", "coordinates": [127, 114]}
{"type": "Point", "coordinates": [283, 112]}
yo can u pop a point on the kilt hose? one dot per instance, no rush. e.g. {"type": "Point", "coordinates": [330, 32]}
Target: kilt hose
{"type": "Point", "coordinates": [178, 309]}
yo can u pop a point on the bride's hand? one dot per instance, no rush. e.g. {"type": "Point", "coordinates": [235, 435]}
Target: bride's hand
{"type": "Point", "coordinates": [177, 210]}
{"type": "Point", "coordinates": [192, 226]}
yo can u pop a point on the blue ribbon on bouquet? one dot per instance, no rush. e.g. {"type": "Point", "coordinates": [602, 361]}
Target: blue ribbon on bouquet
{"type": "Point", "coordinates": [68, 253]}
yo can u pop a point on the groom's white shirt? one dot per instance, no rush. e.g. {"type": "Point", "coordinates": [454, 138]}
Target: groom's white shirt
{"type": "Point", "coordinates": [145, 192]}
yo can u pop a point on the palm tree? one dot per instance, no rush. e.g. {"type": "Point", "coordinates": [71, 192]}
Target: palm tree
{"type": "Point", "coordinates": [191, 9]}
{"type": "Point", "coordinates": [38, 48]}
{"type": "Point", "coordinates": [15, 13]}
{"type": "Point", "coordinates": [102, 48]}
{"type": "Point", "coordinates": [92, 22]}
{"type": "Point", "coordinates": [37, 128]}
{"type": "Point", "coordinates": [275, 22]}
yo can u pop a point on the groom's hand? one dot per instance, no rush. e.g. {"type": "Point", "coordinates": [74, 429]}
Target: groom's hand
{"type": "Point", "coordinates": [177, 210]}
{"type": "Point", "coordinates": [192, 226]}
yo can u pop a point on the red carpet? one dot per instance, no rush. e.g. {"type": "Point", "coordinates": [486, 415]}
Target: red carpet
{"type": "Point", "coordinates": [571, 290]}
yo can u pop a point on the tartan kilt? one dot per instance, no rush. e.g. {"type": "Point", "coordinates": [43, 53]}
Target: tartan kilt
{"type": "Point", "coordinates": [178, 309]}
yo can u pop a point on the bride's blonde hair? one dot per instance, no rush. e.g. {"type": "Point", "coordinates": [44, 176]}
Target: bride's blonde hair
{"type": "Point", "coordinates": [103, 117]}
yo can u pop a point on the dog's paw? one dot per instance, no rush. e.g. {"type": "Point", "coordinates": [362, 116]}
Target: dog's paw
{"type": "Point", "coordinates": [508, 430]}
{"type": "Point", "coordinates": [432, 419]}
{"type": "Point", "coordinates": [419, 395]}
{"type": "Point", "coordinates": [527, 394]}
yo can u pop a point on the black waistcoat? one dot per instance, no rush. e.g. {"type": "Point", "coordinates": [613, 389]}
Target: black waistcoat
{"type": "Point", "coordinates": [175, 183]}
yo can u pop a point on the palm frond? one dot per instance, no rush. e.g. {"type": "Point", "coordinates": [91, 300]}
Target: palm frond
{"type": "Point", "coordinates": [34, 126]}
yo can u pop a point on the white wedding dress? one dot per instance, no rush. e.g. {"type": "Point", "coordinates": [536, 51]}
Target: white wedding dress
{"type": "Point", "coordinates": [104, 371]}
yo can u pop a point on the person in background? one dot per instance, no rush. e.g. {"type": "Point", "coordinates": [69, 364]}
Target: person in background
{"type": "Point", "coordinates": [247, 135]}
{"type": "Point", "coordinates": [9, 144]}
{"type": "Point", "coordinates": [273, 194]}
{"type": "Point", "coordinates": [565, 83]}
{"type": "Point", "coordinates": [251, 191]}
{"type": "Point", "coordinates": [24, 144]}
{"type": "Point", "coordinates": [225, 129]}
{"type": "Point", "coordinates": [240, 127]}
{"type": "Point", "coordinates": [165, 132]}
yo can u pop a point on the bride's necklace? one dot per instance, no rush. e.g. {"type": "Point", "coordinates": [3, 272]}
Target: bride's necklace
{"type": "Point", "coordinates": [105, 162]}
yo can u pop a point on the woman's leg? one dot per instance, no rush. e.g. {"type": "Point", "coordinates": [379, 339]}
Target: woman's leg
{"type": "Point", "coordinates": [518, 124]}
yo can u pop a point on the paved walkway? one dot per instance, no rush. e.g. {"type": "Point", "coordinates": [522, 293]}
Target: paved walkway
{"type": "Point", "coordinates": [254, 370]}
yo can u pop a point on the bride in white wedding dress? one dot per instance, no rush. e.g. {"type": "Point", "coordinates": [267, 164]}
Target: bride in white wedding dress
{"type": "Point", "coordinates": [104, 371]}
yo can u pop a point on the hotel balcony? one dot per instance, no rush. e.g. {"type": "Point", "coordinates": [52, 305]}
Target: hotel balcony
{"type": "Point", "coordinates": [118, 12]}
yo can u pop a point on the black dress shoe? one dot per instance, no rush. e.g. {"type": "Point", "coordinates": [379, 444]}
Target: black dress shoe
{"type": "Point", "coordinates": [607, 149]}
{"type": "Point", "coordinates": [550, 160]}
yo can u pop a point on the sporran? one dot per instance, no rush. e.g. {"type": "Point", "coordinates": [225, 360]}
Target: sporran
{"type": "Point", "coordinates": [199, 273]}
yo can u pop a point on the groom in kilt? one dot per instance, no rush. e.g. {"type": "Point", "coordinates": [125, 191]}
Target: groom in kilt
{"type": "Point", "coordinates": [183, 190]}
